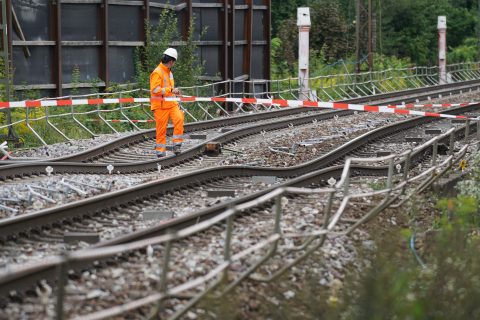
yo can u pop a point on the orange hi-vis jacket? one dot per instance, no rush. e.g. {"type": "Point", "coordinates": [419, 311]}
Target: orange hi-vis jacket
{"type": "Point", "coordinates": [161, 85]}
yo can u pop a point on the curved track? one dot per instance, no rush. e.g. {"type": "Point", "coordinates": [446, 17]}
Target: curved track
{"type": "Point", "coordinates": [152, 190]}
{"type": "Point", "coordinates": [12, 169]}
{"type": "Point", "coordinates": [42, 218]}
{"type": "Point", "coordinates": [24, 277]}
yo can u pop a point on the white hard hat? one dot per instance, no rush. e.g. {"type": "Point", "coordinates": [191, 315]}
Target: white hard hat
{"type": "Point", "coordinates": [171, 52]}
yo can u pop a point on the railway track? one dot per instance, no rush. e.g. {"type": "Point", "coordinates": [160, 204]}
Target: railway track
{"type": "Point", "coordinates": [332, 157]}
{"type": "Point", "coordinates": [132, 275]}
{"type": "Point", "coordinates": [130, 204]}
{"type": "Point", "coordinates": [235, 178]}
{"type": "Point", "coordinates": [125, 149]}
{"type": "Point", "coordinates": [38, 167]}
{"type": "Point", "coordinates": [303, 143]}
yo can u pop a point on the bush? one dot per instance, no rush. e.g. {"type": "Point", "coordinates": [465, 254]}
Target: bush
{"type": "Point", "coordinates": [158, 38]}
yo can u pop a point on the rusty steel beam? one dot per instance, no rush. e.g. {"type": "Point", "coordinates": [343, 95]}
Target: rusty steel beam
{"type": "Point", "coordinates": [56, 9]}
{"type": "Point", "coordinates": [268, 37]}
{"type": "Point", "coordinates": [231, 36]}
{"type": "Point", "coordinates": [224, 26]}
{"type": "Point", "coordinates": [104, 68]}
{"type": "Point", "coordinates": [188, 15]}
{"type": "Point", "coordinates": [247, 55]}
{"type": "Point", "coordinates": [145, 18]}
{"type": "Point", "coordinates": [9, 38]}
{"type": "Point", "coordinates": [145, 21]}
{"type": "Point", "coordinates": [7, 55]}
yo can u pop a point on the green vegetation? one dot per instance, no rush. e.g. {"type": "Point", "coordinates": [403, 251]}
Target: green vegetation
{"type": "Point", "coordinates": [159, 37]}
{"type": "Point", "coordinates": [405, 29]}
{"type": "Point", "coordinates": [376, 185]}
{"type": "Point", "coordinates": [395, 286]}
{"type": "Point", "coordinates": [448, 287]}
{"type": "Point", "coordinates": [75, 80]}
{"type": "Point", "coordinates": [187, 69]}
{"type": "Point", "coordinates": [470, 186]}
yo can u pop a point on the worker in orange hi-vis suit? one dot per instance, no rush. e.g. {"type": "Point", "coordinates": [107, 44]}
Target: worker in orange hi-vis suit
{"type": "Point", "coordinates": [162, 85]}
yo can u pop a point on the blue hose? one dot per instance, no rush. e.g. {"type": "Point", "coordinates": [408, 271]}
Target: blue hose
{"type": "Point", "coordinates": [412, 247]}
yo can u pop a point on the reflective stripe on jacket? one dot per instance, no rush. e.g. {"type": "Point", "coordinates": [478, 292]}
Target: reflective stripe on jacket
{"type": "Point", "coordinates": [161, 85]}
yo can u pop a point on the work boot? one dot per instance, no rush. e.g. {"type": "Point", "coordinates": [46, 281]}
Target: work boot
{"type": "Point", "coordinates": [176, 148]}
{"type": "Point", "coordinates": [161, 154]}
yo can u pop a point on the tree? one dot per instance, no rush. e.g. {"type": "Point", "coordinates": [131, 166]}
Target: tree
{"type": "Point", "coordinates": [158, 38]}
{"type": "Point", "coordinates": [283, 10]}
{"type": "Point", "coordinates": [329, 31]}
{"type": "Point", "coordinates": [410, 27]}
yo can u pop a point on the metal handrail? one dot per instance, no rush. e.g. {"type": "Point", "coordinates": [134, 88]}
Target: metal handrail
{"type": "Point", "coordinates": [340, 86]}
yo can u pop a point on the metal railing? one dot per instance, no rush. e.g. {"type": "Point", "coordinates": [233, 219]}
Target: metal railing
{"type": "Point", "coordinates": [49, 125]}
{"type": "Point", "coordinates": [393, 195]}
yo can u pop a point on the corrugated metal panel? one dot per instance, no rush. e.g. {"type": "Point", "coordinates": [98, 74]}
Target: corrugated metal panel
{"type": "Point", "coordinates": [86, 59]}
{"type": "Point", "coordinates": [35, 69]}
{"type": "Point", "coordinates": [80, 22]}
{"type": "Point", "coordinates": [34, 17]}
{"type": "Point", "coordinates": [124, 23]}
{"type": "Point", "coordinates": [122, 69]}
{"type": "Point", "coordinates": [100, 38]}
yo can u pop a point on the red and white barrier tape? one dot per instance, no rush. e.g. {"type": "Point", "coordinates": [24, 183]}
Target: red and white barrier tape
{"type": "Point", "coordinates": [433, 105]}
{"type": "Point", "coordinates": [123, 120]}
{"type": "Point", "coordinates": [279, 102]}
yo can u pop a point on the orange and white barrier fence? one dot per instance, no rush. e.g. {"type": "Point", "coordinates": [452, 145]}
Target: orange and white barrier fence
{"type": "Point", "coordinates": [400, 109]}
{"type": "Point", "coordinates": [433, 105]}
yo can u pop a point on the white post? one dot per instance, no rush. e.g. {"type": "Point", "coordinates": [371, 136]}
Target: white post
{"type": "Point", "coordinates": [442, 48]}
{"type": "Point", "coordinates": [303, 23]}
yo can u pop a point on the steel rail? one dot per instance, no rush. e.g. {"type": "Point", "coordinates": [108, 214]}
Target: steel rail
{"type": "Point", "coordinates": [106, 148]}
{"type": "Point", "coordinates": [38, 167]}
{"type": "Point", "coordinates": [24, 277]}
{"type": "Point", "coordinates": [11, 226]}
{"type": "Point", "coordinates": [109, 147]}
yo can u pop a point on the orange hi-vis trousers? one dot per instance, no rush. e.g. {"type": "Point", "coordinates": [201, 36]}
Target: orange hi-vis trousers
{"type": "Point", "coordinates": [161, 120]}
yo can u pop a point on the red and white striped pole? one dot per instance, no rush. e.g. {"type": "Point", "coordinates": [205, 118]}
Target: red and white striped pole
{"type": "Point", "coordinates": [442, 48]}
{"type": "Point", "coordinates": [303, 23]}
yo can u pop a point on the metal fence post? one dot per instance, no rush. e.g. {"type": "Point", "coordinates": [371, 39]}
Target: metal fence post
{"type": "Point", "coordinates": [62, 275]}
{"type": "Point", "coordinates": [72, 111]}
{"type": "Point", "coordinates": [102, 118]}
{"type": "Point", "coordinates": [467, 130]}
{"type": "Point", "coordinates": [406, 166]}
{"type": "Point", "coordinates": [451, 143]}
{"type": "Point", "coordinates": [328, 209]}
{"type": "Point", "coordinates": [53, 126]}
{"type": "Point", "coordinates": [278, 213]}
{"type": "Point", "coordinates": [347, 183]}
{"type": "Point", "coordinates": [120, 105]}
{"type": "Point", "coordinates": [162, 285]}
{"type": "Point", "coordinates": [227, 248]}
{"type": "Point", "coordinates": [390, 173]}
{"type": "Point", "coordinates": [478, 129]}
{"type": "Point", "coordinates": [434, 152]}
{"type": "Point", "coordinates": [478, 133]}
{"type": "Point", "coordinates": [27, 123]}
